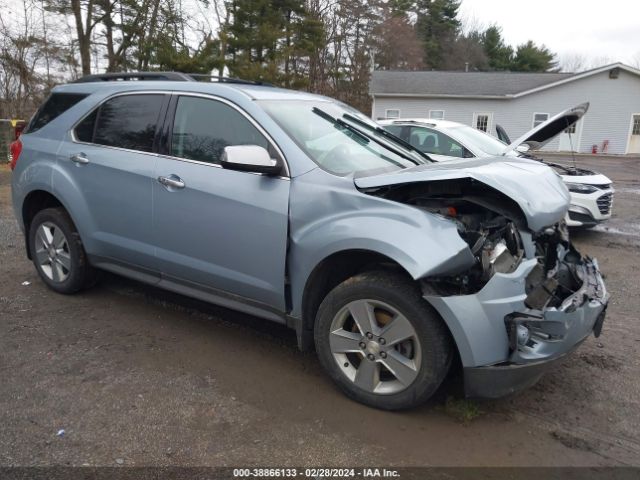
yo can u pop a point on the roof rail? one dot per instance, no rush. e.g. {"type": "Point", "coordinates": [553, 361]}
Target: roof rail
{"type": "Point", "coordinates": [202, 77]}
{"type": "Point", "coordinates": [164, 76]}
{"type": "Point", "coordinates": [121, 76]}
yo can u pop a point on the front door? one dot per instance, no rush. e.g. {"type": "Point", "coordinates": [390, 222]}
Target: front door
{"type": "Point", "coordinates": [570, 138]}
{"type": "Point", "coordinates": [215, 228]}
{"type": "Point", "coordinates": [634, 138]}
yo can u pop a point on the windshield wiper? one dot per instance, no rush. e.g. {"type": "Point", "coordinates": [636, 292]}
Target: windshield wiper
{"type": "Point", "coordinates": [388, 135]}
{"type": "Point", "coordinates": [360, 133]}
{"type": "Point", "coordinates": [335, 121]}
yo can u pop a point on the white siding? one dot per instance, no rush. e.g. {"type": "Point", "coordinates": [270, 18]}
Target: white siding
{"type": "Point", "coordinates": [612, 104]}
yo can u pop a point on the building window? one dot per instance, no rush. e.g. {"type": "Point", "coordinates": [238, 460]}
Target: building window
{"type": "Point", "coordinates": [636, 125]}
{"type": "Point", "coordinates": [392, 113]}
{"type": "Point", "coordinates": [571, 130]}
{"type": "Point", "coordinates": [539, 118]}
{"type": "Point", "coordinates": [436, 114]}
{"type": "Point", "coordinates": [482, 121]}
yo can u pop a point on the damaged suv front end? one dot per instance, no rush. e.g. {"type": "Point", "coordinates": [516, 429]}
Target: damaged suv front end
{"type": "Point", "coordinates": [484, 240]}
{"type": "Point", "coordinates": [528, 297]}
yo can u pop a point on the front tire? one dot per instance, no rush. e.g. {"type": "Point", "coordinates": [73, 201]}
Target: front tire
{"type": "Point", "coordinates": [381, 342]}
{"type": "Point", "coordinates": [57, 252]}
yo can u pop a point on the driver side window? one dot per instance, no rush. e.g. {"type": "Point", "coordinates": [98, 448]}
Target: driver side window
{"type": "Point", "coordinates": [203, 127]}
{"type": "Point", "coordinates": [432, 141]}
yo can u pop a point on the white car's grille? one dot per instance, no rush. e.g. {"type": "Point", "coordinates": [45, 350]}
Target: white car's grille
{"type": "Point", "coordinates": [604, 203]}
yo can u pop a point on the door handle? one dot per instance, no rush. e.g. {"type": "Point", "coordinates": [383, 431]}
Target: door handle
{"type": "Point", "coordinates": [172, 181]}
{"type": "Point", "coordinates": [79, 158]}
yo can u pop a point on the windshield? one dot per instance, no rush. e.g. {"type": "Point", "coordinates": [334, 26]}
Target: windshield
{"type": "Point", "coordinates": [479, 139]}
{"type": "Point", "coordinates": [335, 143]}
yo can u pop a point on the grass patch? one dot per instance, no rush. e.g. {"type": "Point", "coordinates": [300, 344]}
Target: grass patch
{"type": "Point", "coordinates": [461, 409]}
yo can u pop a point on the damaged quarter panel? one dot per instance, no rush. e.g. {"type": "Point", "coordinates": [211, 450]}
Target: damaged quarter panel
{"type": "Point", "coordinates": [328, 215]}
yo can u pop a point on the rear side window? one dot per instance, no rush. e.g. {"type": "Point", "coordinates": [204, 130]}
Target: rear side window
{"type": "Point", "coordinates": [128, 121]}
{"type": "Point", "coordinates": [84, 130]}
{"type": "Point", "coordinates": [56, 105]}
{"type": "Point", "coordinates": [202, 128]}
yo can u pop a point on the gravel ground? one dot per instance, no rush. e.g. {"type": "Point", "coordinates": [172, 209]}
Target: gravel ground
{"type": "Point", "coordinates": [137, 376]}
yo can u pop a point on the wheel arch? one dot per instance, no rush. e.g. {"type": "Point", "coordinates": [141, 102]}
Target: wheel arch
{"type": "Point", "coordinates": [34, 202]}
{"type": "Point", "coordinates": [336, 268]}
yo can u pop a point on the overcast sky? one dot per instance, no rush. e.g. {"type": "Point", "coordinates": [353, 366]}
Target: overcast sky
{"type": "Point", "coordinates": [592, 28]}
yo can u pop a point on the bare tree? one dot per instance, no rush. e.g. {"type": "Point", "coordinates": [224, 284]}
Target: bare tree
{"type": "Point", "coordinates": [573, 62]}
{"type": "Point", "coordinates": [397, 46]}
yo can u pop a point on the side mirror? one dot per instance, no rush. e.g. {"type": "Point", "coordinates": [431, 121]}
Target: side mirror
{"type": "Point", "coordinates": [250, 158]}
{"type": "Point", "coordinates": [523, 148]}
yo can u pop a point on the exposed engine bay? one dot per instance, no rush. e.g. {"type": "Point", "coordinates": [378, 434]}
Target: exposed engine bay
{"type": "Point", "coordinates": [495, 229]}
{"type": "Point", "coordinates": [572, 171]}
{"type": "Point", "coordinates": [569, 171]}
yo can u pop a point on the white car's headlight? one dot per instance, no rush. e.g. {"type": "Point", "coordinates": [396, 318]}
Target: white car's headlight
{"type": "Point", "coordinates": [581, 188]}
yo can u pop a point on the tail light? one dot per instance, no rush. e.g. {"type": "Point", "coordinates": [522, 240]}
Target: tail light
{"type": "Point", "coordinates": [15, 150]}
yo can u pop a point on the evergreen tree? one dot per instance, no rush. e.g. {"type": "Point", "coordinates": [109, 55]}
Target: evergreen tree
{"type": "Point", "coordinates": [500, 56]}
{"type": "Point", "coordinates": [437, 27]}
{"type": "Point", "coordinates": [268, 39]}
{"type": "Point", "coordinates": [531, 58]}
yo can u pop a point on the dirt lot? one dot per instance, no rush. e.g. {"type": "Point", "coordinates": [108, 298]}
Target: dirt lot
{"type": "Point", "coordinates": [136, 376]}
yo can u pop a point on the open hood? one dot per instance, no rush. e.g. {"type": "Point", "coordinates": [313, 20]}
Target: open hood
{"type": "Point", "coordinates": [536, 188]}
{"type": "Point", "coordinates": [547, 131]}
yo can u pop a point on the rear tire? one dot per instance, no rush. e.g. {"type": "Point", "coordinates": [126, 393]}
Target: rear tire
{"type": "Point", "coordinates": [397, 360]}
{"type": "Point", "coordinates": [57, 252]}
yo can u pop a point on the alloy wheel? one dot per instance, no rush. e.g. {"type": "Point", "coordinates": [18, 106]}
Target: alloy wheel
{"type": "Point", "coordinates": [376, 346]}
{"type": "Point", "coordinates": [52, 252]}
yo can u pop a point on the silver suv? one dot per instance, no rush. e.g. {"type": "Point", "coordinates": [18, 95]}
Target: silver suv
{"type": "Point", "coordinates": [300, 210]}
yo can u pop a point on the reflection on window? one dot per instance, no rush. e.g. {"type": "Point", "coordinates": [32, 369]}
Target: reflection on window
{"type": "Point", "coordinates": [84, 130]}
{"type": "Point", "coordinates": [202, 128]}
{"type": "Point", "coordinates": [56, 105]}
{"type": "Point", "coordinates": [129, 122]}
{"type": "Point", "coordinates": [335, 148]}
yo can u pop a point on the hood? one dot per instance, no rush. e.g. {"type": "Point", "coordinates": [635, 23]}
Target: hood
{"type": "Point", "coordinates": [535, 187]}
{"type": "Point", "coordinates": [593, 179]}
{"type": "Point", "coordinates": [547, 131]}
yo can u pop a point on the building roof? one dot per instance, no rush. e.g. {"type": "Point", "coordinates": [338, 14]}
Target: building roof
{"type": "Point", "coordinates": [473, 84]}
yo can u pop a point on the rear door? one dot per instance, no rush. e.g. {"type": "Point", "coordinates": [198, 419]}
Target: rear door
{"type": "Point", "coordinates": [218, 229]}
{"type": "Point", "coordinates": [112, 159]}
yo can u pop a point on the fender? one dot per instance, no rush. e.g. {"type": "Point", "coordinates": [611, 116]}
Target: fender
{"type": "Point", "coordinates": [422, 243]}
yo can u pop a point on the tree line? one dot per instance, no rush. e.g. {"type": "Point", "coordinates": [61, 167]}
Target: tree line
{"type": "Point", "coordinates": [324, 46]}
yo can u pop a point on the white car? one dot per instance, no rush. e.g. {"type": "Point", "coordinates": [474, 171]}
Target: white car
{"type": "Point", "coordinates": [442, 140]}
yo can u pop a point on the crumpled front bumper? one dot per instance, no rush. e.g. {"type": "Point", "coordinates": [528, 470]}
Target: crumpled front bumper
{"type": "Point", "coordinates": [484, 327]}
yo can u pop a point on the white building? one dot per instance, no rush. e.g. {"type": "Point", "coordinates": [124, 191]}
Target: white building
{"type": "Point", "coordinates": [519, 101]}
